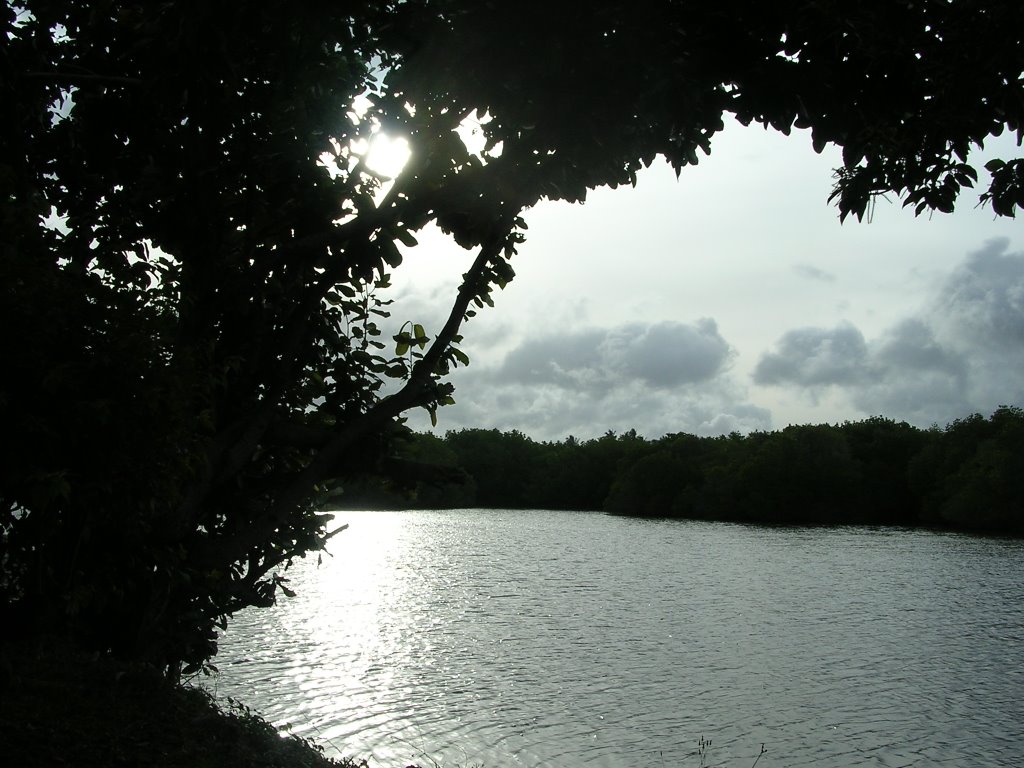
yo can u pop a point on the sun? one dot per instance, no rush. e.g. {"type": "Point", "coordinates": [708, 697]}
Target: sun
{"type": "Point", "coordinates": [387, 156]}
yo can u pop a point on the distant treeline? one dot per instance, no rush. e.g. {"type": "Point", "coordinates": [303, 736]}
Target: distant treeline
{"type": "Point", "coordinates": [969, 475]}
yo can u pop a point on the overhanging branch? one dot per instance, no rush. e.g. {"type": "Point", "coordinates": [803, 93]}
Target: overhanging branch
{"type": "Point", "coordinates": [330, 457]}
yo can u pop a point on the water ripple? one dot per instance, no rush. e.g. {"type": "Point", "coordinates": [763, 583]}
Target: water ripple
{"type": "Point", "coordinates": [572, 639]}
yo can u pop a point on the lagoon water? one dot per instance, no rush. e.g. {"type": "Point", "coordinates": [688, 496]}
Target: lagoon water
{"type": "Point", "coordinates": [510, 638]}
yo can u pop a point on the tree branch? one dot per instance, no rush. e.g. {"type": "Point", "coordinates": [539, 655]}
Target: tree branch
{"type": "Point", "coordinates": [297, 435]}
{"type": "Point", "coordinates": [328, 459]}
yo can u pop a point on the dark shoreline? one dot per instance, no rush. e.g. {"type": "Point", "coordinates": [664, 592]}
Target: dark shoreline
{"type": "Point", "coordinates": [61, 708]}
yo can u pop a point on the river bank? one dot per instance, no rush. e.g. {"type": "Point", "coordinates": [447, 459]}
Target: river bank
{"type": "Point", "coordinates": [63, 709]}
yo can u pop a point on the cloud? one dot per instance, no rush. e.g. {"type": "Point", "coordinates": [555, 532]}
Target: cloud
{"type": "Point", "coordinates": [670, 354]}
{"type": "Point", "coordinates": [914, 375]}
{"type": "Point", "coordinates": [742, 417]}
{"type": "Point", "coordinates": [962, 352]}
{"type": "Point", "coordinates": [811, 357]}
{"type": "Point", "coordinates": [979, 314]}
{"type": "Point", "coordinates": [813, 273]}
{"type": "Point", "coordinates": [652, 377]}
{"type": "Point", "coordinates": [550, 412]}
{"type": "Point", "coordinates": [661, 355]}
{"type": "Point", "coordinates": [983, 300]}
{"type": "Point", "coordinates": [571, 359]}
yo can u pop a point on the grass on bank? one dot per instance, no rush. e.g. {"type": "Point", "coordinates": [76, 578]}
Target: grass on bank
{"type": "Point", "coordinates": [63, 709]}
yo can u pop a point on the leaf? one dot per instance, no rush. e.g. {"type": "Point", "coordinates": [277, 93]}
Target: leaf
{"type": "Point", "coordinates": [288, 592]}
{"type": "Point", "coordinates": [364, 203]}
{"type": "Point", "coordinates": [390, 253]}
{"type": "Point", "coordinates": [405, 237]}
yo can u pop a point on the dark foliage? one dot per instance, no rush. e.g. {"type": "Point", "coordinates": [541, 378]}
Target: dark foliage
{"type": "Point", "coordinates": [877, 471]}
{"type": "Point", "coordinates": [59, 707]}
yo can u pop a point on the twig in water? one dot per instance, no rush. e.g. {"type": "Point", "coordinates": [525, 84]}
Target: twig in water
{"type": "Point", "coordinates": [763, 750]}
{"type": "Point", "coordinates": [702, 749]}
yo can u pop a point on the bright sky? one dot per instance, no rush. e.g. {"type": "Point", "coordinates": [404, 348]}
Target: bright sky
{"type": "Point", "coordinates": [732, 299]}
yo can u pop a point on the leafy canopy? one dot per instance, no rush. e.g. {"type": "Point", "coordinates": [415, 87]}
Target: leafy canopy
{"type": "Point", "coordinates": [194, 353]}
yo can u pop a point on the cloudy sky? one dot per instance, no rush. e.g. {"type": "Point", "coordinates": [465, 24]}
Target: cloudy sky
{"type": "Point", "coordinates": [733, 299]}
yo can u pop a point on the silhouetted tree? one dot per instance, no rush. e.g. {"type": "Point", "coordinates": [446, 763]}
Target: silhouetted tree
{"type": "Point", "coordinates": [972, 474]}
{"type": "Point", "coordinates": [192, 355]}
{"type": "Point", "coordinates": [883, 450]}
{"type": "Point", "coordinates": [502, 464]}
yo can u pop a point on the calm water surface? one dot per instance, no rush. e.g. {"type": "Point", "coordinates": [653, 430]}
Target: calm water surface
{"type": "Point", "coordinates": [499, 638]}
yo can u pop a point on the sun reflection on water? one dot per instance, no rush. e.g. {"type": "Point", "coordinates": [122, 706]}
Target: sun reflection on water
{"type": "Point", "coordinates": [574, 639]}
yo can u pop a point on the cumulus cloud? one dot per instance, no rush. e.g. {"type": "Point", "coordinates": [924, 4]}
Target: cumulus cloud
{"type": "Point", "coordinates": [914, 375]}
{"type": "Point", "coordinates": [979, 313]}
{"type": "Point", "coordinates": [963, 352]}
{"type": "Point", "coordinates": [982, 302]}
{"type": "Point", "coordinates": [811, 357]}
{"type": "Point", "coordinates": [740, 417]}
{"type": "Point", "coordinates": [661, 355]}
{"type": "Point", "coordinates": [655, 378]}
{"type": "Point", "coordinates": [549, 412]}
{"type": "Point", "coordinates": [670, 354]}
